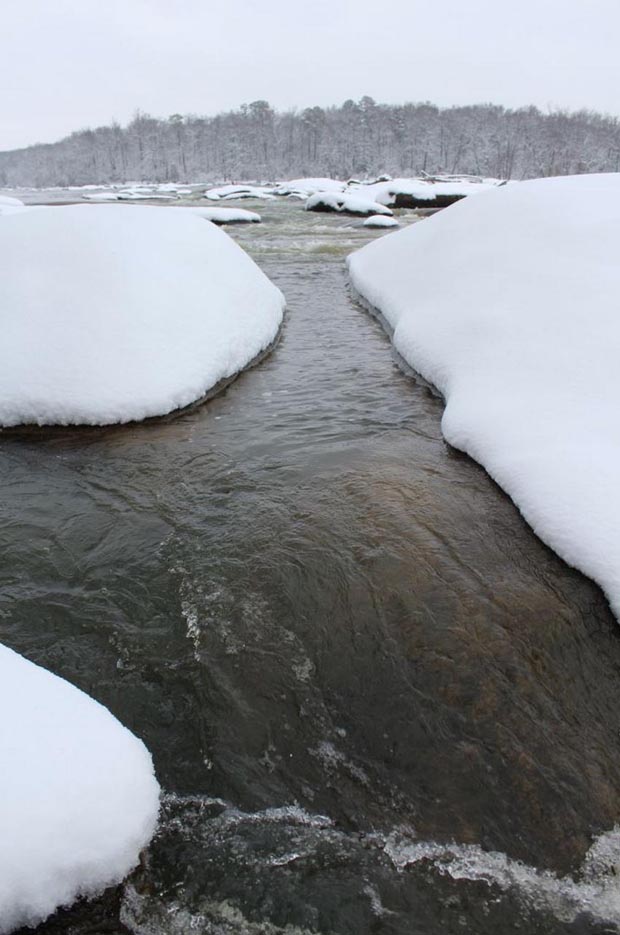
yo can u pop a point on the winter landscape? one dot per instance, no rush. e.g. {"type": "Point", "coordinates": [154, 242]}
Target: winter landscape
{"type": "Point", "coordinates": [310, 525]}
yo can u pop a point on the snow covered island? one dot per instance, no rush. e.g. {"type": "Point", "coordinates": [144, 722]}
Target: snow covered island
{"type": "Point", "coordinates": [112, 313]}
{"type": "Point", "coordinates": [508, 304]}
{"type": "Point", "coordinates": [78, 796]}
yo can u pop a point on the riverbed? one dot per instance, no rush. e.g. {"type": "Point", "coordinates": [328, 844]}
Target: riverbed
{"type": "Point", "coordinates": [375, 701]}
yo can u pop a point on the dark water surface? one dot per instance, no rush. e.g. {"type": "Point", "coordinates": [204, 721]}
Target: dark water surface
{"type": "Point", "coordinates": [375, 701]}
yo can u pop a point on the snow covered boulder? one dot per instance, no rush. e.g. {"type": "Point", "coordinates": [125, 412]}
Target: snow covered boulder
{"type": "Point", "coordinates": [307, 187]}
{"type": "Point", "coordinates": [345, 204]}
{"type": "Point", "coordinates": [508, 303]}
{"type": "Point", "coordinates": [235, 192]}
{"type": "Point", "coordinates": [111, 313]}
{"type": "Point", "coordinates": [380, 220]}
{"type": "Point", "coordinates": [224, 215]}
{"type": "Point", "coordinates": [9, 202]}
{"type": "Point", "coordinates": [425, 193]}
{"type": "Point", "coordinates": [78, 796]}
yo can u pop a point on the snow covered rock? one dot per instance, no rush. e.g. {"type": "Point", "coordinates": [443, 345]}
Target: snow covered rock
{"type": "Point", "coordinates": [380, 220]}
{"type": "Point", "coordinates": [9, 202]}
{"type": "Point", "coordinates": [102, 196]}
{"type": "Point", "coordinates": [224, 215]}
{"type": "Point", "coordinates": [345, 204]}
{"type": "Point", "coordinates": [425, 193]}
{"type": "Point", "coordinates": [115, 312]}
{"type": "Point", "coordinates": [307, 187]}
{"type": "Point", "coordinates": [78, 796]}
{"type": "Point", "coordinates": [230, 192]}
{"type": "Point", "coordinates": [508, 304]}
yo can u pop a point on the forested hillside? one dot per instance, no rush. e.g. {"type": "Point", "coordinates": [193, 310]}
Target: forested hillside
{"type": "Point", "coordinates": [357, 138]}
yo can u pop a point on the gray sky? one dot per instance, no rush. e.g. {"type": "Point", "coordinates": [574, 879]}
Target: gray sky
{"type": "Point", "coordinates": [68, 64]}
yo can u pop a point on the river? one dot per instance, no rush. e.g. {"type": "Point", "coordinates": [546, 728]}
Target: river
{"type": "Point", "coordinates": [375, 701]}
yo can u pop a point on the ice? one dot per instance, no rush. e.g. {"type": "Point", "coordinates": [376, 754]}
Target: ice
{"type": "Point", "coordinates": [380, 220]}
{"type": "Point", "coordinates": [224, 215]}
{"type": "Point", "coordinates": [116, 312]}
{"type": "Point", "coordinates": [78, 796]}
{"type": "Point", "coordinates": [349, 204]}
{"type": "Point", "coordinates": [508, 304]}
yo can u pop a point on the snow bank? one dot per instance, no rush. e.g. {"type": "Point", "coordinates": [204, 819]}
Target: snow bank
{"type": "Point", "coordinates": [425, 193]}
{"type": "Point", "coordinates": [229, 192]}
{"type": "Point", "coordinates": [224, 215]}
{"type": "Point", "coordinates": [78, 797]}
{"type": "Point", "coordinates": [380, 220]}
{"type": "Point", "coordinates": [509, 305]}
{"type": "Point", "coordinates": [116, 312]}
{"type": "Point", "coordinates": [7, 201]}
{"type": "Point", "coordinates": [344, 203]}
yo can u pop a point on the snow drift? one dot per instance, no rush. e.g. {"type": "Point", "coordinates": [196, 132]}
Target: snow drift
{"type": "Point", "coordinates": [78, 797]}
{"type": "Point", "coordinates": [111, 313]}
{"type": "Point", "coordinates": [508, 304]}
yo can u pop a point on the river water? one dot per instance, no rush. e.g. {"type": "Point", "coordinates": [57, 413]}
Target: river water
{"type": "Point", "coordinates": [375, 701]}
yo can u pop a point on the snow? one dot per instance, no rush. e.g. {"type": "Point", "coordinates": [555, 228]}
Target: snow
{"type": "Point", "coordinates": [78, 796]}
{"type": "Point", "coordinates": [9, 202]}
{"type": "Point", "coordinates": [350, 204]}
{"type": "Point", "coordinates": [239, 191]}
{"type": "Point", "coordinates": [118, 312]}
{"type": "Point", "coordinates": [224, 215]}
{"type": "Point", "coordinates": [508, 304]}
{"type": "Point", "coordinates": [380, 220]}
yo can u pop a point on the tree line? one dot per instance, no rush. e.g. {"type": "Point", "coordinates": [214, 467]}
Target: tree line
{"type": "Point", "coordinates": [359, 138]}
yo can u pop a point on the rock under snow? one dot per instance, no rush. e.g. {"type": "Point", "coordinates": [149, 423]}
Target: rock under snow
{"type": "Point", "coordinates": [78, 796]}
{"type": "Point", "coordinates": [114, 312]}
{"type": "Point", "coordinates": [380, 220]}
{"type": "Point", "coordinates": [224, 215]}
{"type": "Point", "coordinates": [10, 202]}
{"type": "Point", "coordinates": [345, 204]}
{"type": "Point", "coordinates": [425, 193]}
{"type": "Point", "coordinates": [508, 303]}
{"type": "Point", "coordinates": [307, 187]}
{"type": "Point", "coordinates": [230, 192]}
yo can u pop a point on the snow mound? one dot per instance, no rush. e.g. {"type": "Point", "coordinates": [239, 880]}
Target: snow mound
{"type": "Point", "coordinates": [114, 312]}
{"type": "Point", "coordinates": [344, 203]}
{"type": "Point", "coordinates": [78, 796]}
{"type": "Point", "coordinates": [9, 202]}
{"type": "Point", "coordinates": [230, 192]}
{"type": "Point", "coordinates": [509, 305]}
{"type": "Point", "coordinates": [380, 220]}
{"type": "Point", "coordinates": [224, 215]}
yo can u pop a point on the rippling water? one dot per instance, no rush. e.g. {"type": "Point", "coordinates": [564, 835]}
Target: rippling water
{"type": "Point", "coordinates": [375, 701]}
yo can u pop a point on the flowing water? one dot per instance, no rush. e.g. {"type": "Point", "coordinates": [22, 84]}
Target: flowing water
{"type": "Point", "coordinates": [375, 701]}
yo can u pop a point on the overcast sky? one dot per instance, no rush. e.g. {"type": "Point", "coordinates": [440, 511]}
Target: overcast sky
{"type": "Point", "coordinates": [67, 64]}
